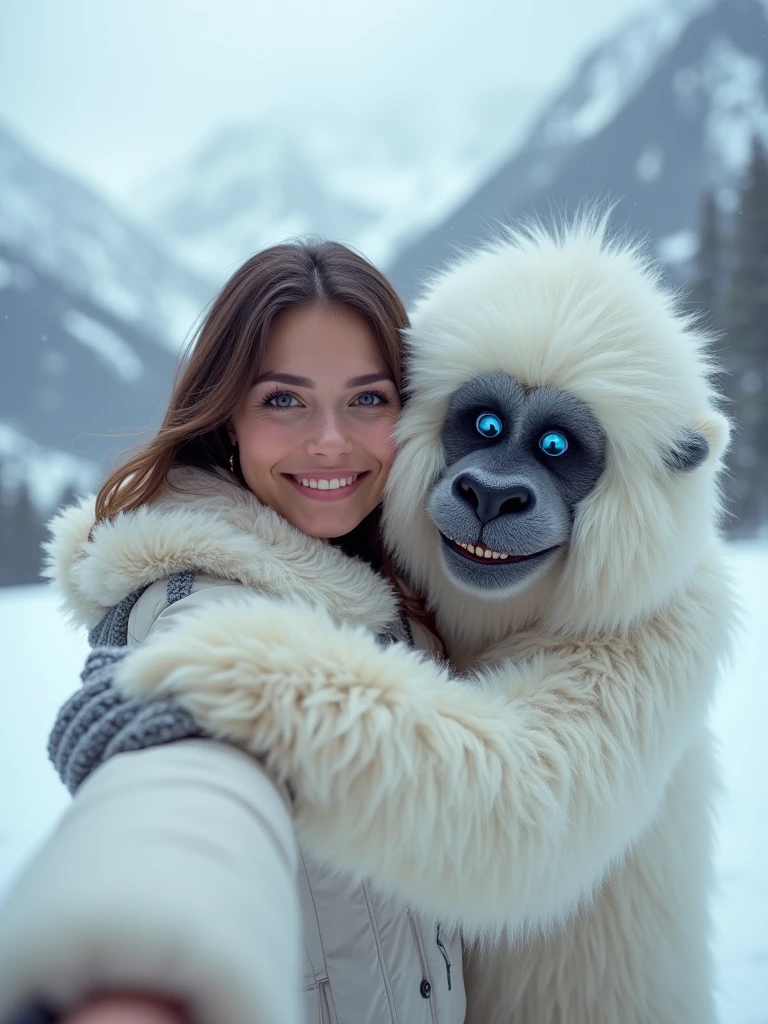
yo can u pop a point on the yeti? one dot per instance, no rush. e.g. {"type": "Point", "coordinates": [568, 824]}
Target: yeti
{"type": "Point", "coordinates": [555, 496]}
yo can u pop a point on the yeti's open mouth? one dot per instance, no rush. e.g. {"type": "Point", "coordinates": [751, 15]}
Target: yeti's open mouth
{"type": "Point", "coordinates": [478, 553]}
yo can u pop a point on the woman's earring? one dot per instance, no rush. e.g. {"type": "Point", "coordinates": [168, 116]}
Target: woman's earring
{"type": "Point", "coordinates": [232, 461]}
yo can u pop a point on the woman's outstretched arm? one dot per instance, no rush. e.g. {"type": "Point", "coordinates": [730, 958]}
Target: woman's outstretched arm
{"type": "Point", "coordinates": [171, 875]}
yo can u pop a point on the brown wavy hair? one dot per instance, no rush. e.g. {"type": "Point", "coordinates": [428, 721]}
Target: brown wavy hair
{"type": "Point", "coordinates": [224, 360]}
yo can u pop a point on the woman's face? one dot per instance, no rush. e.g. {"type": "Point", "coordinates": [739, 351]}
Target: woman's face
{"type": "Point", "coordinates": [314, 432]}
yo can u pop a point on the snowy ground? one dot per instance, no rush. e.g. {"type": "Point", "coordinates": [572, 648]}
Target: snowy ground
{"type": "Point", "coordinates": [42, 658]}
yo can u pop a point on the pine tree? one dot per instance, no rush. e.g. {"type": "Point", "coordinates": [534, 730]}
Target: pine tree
{"type": "Point", "coordinates": [5, 534]}
{"type": "Point", "coordinates": [746, 320]}
{"type": "Point", "coordinates": [24, 537]}
{"type": "Point", "coordinates": [707, 290]}
{"type": "Point", "coordinates": [22, 532]}
{"type": "Point", "coordinates": [68, 496]}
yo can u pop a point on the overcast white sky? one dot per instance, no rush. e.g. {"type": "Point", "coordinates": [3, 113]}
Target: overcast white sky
{"type": "Point", "coordinates": [119, 89]}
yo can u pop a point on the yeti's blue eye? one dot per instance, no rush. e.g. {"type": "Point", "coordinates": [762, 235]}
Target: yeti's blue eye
{"type": "Point", "coordinates": [553, 443]}
{"type": "Point", "coordinates": [488, 424]}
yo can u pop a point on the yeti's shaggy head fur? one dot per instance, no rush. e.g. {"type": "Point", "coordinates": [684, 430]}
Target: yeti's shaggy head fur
{"type": "Point", "coordinates": [570, 331]}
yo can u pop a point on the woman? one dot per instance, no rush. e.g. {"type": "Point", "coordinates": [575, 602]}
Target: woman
{"type": "Point", "coordinates": [168, 892]}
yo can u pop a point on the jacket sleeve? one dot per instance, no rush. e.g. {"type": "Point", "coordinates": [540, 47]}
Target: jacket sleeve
{"type": "Point", "coordinates": [498, 801]}
{"type": "Point", "coordinates": [173, 871]}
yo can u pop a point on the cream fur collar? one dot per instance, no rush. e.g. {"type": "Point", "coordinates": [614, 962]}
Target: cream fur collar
{"type": "Point", "coordinates": [217, 528]}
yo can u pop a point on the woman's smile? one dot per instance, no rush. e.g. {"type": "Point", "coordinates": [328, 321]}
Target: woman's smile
{"type": "Point", "coordinates": [327, 486]}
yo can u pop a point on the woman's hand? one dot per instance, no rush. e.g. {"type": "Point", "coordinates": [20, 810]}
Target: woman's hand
{"type": "Point", "coordinates": [127, 1009]}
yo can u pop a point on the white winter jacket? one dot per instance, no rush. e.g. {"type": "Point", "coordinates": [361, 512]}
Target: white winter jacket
{"type": "Point", "coordinates": [177, 869]}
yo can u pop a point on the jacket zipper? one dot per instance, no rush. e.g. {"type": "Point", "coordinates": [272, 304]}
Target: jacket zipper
{"type": "Point", "coordinates": [379, 951]}
{"type": "Point", "coordinates": [325, 1005]}
{"type": "Point", "coordinates": [444, 951]}
{"type": "Point", "coordinates": [422, 962]}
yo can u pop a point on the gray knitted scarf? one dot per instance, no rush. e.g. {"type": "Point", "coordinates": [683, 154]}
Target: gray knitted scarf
{"type": "Point", "coordinates": [98, 721]}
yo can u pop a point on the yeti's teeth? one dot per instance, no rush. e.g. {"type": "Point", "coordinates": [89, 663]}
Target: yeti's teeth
{"type": "Point", "coordinates": [479, 551]}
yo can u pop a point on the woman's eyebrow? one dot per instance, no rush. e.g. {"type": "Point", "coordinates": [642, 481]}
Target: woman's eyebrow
{"type": "Point", "coordinates": [285, 378]}
{"type": "Point", "coordinates": [368, 378]}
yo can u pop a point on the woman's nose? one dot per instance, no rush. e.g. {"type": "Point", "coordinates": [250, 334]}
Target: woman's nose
{"type": "Point", "coordinates": [329, 436]}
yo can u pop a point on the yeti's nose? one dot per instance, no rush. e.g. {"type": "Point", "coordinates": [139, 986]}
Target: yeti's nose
{"type": "Point", "coordinates": [490, 502]}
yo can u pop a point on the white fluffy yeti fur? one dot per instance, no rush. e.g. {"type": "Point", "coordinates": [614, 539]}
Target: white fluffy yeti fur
{"type": "Point", "coordinates": [562, 792]}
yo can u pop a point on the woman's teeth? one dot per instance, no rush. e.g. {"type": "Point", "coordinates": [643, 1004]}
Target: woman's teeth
{"type": "Point", "coordinates": [326, 485]}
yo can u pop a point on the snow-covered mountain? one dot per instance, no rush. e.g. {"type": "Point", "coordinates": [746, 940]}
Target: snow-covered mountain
{"type": "Point", "coordinates": [92, 314]}
{"type": "Point", "coordinates": [58, 226]}
{"type": "Point", "coordinates": [376, 180]}
{"type": "Point", "coordinates": [652, 117]}
{"type": "Point", "coordinates": [72, 372]}
{"type": "Point", "coordinates": [47, 473]}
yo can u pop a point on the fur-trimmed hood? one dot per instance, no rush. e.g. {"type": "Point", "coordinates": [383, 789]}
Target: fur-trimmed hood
{"type": "Point", "coordinates": [205, 522]}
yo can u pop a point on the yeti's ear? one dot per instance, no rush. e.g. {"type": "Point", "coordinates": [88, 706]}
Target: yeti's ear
{"type": "Point", "coordinates": [695, 444]}
{"type": "Point", "coordinates": [688, 452]}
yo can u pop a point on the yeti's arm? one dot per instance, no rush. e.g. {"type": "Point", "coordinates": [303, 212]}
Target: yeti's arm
{"type": "Point", "coordinates": [497, 801]}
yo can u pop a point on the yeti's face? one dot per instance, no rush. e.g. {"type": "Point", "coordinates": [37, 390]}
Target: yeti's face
{"type": "Point", "coordinates": [518, 460]}
{"type": "Point", "coordinates": [561, 417]}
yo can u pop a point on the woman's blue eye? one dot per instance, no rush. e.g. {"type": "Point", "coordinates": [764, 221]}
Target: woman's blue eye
{"type": "Point", "coordinates": [553, 443]}
{"type": "Point", "coordinates": [488, 424]}
{"type": "Point", "coordinates": [369, 398]}
{"type": "Point", "coordinates": [282, 400]}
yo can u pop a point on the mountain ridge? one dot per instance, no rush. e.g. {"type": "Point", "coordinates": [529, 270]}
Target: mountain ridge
{"type": "Point", "coordinates": [656, 154]}
{"type": "Point", "coordinates": [63, 228]}
{"type": "Point", "coordinates": [374, 181]}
